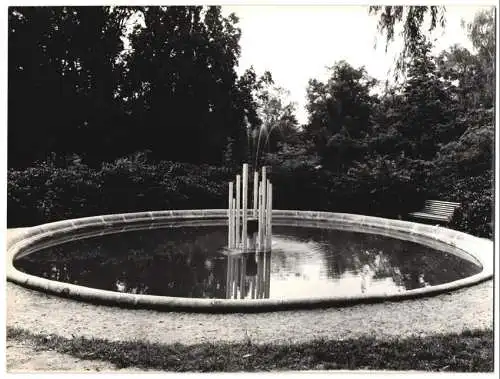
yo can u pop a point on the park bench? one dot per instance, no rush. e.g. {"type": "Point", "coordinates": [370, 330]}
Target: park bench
{"type": "Point", "coordinates": [436, 210]}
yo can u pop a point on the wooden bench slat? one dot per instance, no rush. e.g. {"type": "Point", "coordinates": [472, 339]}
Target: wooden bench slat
{"type": "Point", "coordinates": [427, 215]}
{"type": "Point", "coordinates": [440, 201]}
{"type": "Point", "coordinates": [439, 206]}
{"type": "Point", "coordinates": [439, 214]}
{"type": "Point", "coordinates": [424, 212]}
{"type": "Point", "coordinates": [444, 208]}
{"type": "Point", "coordinates": [440, 209]}
{"type": "Point", "coordinates": [446, 204]}
{"type": "Point", "coordinates": [437, 210]}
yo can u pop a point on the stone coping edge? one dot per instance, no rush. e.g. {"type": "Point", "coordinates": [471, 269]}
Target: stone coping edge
{"type": "Point", "coordinates": [32, 238]}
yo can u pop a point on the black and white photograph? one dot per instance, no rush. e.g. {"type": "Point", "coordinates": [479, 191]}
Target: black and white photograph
{"type": "Point", "coordinates": [282, 187]}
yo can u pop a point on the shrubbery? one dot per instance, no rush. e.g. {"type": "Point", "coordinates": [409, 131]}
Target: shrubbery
{"type": "Point", "coordinates": [380, 187]}
{"type": "Point", "coordinates": [475, 195]}
{"type": "Point", "coordinates": [46, 192]}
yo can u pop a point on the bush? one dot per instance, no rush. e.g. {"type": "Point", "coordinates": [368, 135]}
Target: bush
{"type": "Point", "coordinates": [381, 187]}
{"type": "Point", "coordinates": [465, 174]}
{"type": "Point", "coordinates": [48, 193]}
{"type": "Point", "coordinates": [387, 187]}
{"type": "Point", "coordinates": [45, 192]}
{"type": "Point", "coordinates": [475, 194]}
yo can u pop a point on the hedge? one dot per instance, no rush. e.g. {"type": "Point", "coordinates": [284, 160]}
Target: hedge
{"type": "Point", "coordinates": [382, 187]}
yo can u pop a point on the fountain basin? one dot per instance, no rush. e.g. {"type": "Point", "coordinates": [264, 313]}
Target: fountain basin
{"type": "Point", "coordinates": [36, 238]}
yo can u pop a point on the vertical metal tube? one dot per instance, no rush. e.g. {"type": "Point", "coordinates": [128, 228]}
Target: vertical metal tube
{"type": "Point", "coordinates": [258, 283]}
{"type": "Point", "coordinates": [228, 277]}
{"type": "Point", "coordinates": [245, 205]}
{"type": "Point", "coordinates": [261, 276]}
{"type": "Point", "coordinates": [269, 214]}
{"type": "Point", "coordinates": [260, 225]}
{"type": "Point", "coordinates": [233, 225]}
{"type": "Point", "coordinates": [237, 210]}
{"type": "Point", "coordinates": [242, 276]}
{"type": "Point", "coordinates": [253, 288]}
{"type": "Point", "coordinates": [234, 278]}
{"type": "Point", "coordinates": [268, 275]}
{"type": "Point", "coordinates": [230, 217]}
{"type": "Point", "coordinates": [264, 175]}
{"type": "Point", "coordinates": [263, 209]}
{"type": "Point", "coordinates": [255, 193]}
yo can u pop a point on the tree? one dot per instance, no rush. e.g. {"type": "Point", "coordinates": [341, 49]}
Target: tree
{"type": "Point", "coordinates": [473, 72]}
{"type": "Point", "coordinates": [340, 113]}
{"type": "Point", "coordinates": [473, 152]}
{"type": "Point", "coordinates": [482, 33]}
{"type": "Point", "coordinates": [62, 80]}
{"type": "Point", "coordinates": [427, 113]}
{"type": "Point", "coordinates": [412, 19]}
{"type": "Point", "coordinates": [183, 84]}
{"type": "Point", "coordinates": [460, 68]}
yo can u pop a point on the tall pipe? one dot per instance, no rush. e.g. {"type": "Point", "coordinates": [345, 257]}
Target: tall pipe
{"type": "Point", "coordinates": [237, 210]}
{"type": "Point", "coordinates": [261, 276]}
{"type": "Point", "coordinates": [242, 276]}
{"type": "Point", "coordinates": [234, 224]}
{"type": "Point", "coordinates": [259, 216]}
{"type": "Point", "coordinates": [269, 214]}
{"type": "Point", "coordinates": [255, 193]}
{"type": "Point", "coordinates": [268, 274]}
{"type": "Point", "coordinates": [229, 286]}
{"type": "Point", "coordinates": [245, 205]}
{"type": "Point", "coordinates": [230, 217]}
{"type": "Point", "coordinates": [263, 209]}
{"type": "Point", "coordinates": [234, 278]}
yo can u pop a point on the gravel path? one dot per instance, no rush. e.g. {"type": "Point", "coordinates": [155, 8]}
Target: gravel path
{"type": "Point", "coordinates": [39, 313]}
{"type": "Point", "coordinates": [464, 309]}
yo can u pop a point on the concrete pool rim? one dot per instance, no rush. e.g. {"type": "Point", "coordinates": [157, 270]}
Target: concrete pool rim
{"type": "Point", "coordinates": [31, 239]}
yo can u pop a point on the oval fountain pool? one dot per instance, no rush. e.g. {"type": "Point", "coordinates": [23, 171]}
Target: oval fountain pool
{"type": "Point", "coordinates": [180, 260]}
{"type": "Point", "coordinates": [193, 261]}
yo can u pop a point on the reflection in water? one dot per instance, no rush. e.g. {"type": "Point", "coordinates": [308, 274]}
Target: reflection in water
{"type": "Point", "coordinates": [366, 276]}
{"type": "Point", "coordinates": [248, 275]}
{"type": "Point", "coordinates": [121, 286]}
{"type": "Point", "coordinates": [194, 262]}
{"type": "Point", "coordinates": [57, 273]}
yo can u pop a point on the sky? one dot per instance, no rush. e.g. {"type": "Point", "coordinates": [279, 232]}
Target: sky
{"type": "Point", "coordinates": [296, 42]}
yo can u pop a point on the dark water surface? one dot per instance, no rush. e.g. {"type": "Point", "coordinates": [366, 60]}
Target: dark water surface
{"type": "Point", "coordinates": [194, 262]}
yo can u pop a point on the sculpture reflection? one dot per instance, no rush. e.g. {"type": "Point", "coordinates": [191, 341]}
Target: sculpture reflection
{"type": "Point", "coordinates": [248, 275]}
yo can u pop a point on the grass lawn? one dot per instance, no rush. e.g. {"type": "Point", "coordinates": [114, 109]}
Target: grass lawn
{"type": "Point", "coordinates": [469, 351]}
